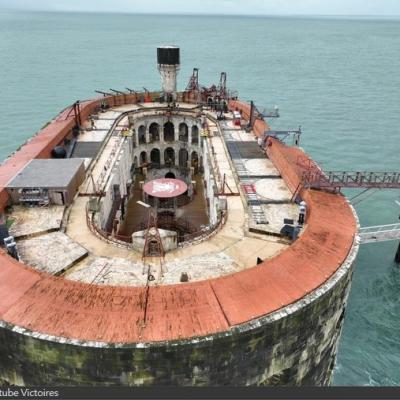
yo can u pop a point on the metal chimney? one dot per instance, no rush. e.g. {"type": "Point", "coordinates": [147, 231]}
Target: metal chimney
{"type": "Point", "coordinates": [168, 60]}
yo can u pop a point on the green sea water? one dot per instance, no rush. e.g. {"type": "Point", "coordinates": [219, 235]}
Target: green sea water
{"type": "Point", "coordinates": [336, 77]}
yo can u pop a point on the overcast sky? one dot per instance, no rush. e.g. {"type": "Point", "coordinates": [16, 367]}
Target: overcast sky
{"type": "Point", "coordinates": [243, 7]}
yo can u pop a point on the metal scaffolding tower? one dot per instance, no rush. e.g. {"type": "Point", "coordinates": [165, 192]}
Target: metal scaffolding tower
{"type": "Point", "coordinates": [222, 92]}
{"type": "Point", "coordinates": [193, 84]}
{"type": "Point", "coordinates": [153, 246]}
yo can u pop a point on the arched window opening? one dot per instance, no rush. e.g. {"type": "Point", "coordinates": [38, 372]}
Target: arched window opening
{"type": "Point", "coordinates": [143, 158]}
{"type": "Point", "coordinates": [194, 161]}
{"type": "Point", "coordinates": [154, 131]}
{"type": "Point", "coordinates": [183, 158]}
{"type": "Point", "coordinates": [170, 175]}
{"type": "Point", "coordinates": [142, 134]}
{"type": "Point", "coordinates": [183, 132]}
{"type": "Point", "coordinates": [169, 156]}
{"type": "Point", "coordinates": [169, 132]}
{"type": "Point", "coordinates": [155, 158]}
{"type": "Point", "coordinates": [195, 134]}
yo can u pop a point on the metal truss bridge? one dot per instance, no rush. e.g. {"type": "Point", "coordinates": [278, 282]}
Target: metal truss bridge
{"type": "Point", "coordinates": [317, 179]}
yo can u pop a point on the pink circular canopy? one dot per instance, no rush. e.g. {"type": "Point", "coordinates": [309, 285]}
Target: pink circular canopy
{"type": "Point", "coordinates": [165, 188]}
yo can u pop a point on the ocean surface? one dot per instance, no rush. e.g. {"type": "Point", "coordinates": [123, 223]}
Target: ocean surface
{"type": "Point", "coordinates": [336, 77]}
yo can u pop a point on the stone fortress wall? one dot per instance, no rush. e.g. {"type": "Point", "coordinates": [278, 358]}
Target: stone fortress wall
{"type": "Point", "coordinates": [278, 323]}
{"type": "Point", "coordinates": [294, 346]}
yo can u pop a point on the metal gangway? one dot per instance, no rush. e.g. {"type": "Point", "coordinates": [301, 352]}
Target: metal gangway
{"type": "Point", "coordinates": [379, 233]}
{"type": "Point", "coordinates": [316, 179]}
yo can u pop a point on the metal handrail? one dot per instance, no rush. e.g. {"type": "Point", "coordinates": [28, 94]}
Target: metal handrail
{"type": "Point", "coordinates": [349, 179]}
{"type": "Point", "coordinates": [380, 228]}
{"type": "Point", "coordinates": [102, 234]}
{"type": "Point", "coordinates": [199, 236]}
{"type": "Point", "coordinates": [379, 233]}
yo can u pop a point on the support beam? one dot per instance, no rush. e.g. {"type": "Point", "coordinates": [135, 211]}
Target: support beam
{"type": "Point", "coordinates": [252, 116]}
{"type": "Point", "coordinates": [77, 113]}
{"type": "Point", "coordinates": [193, 84]}
{"type": "Point", "coordinates": [222, 86]}
{"type": "Point", "coordinates": [397, 256]}
{"type": "Point", "coordinates": [105, 94]}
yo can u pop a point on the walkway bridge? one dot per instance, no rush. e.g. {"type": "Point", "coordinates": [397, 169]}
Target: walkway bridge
{"type": "Point", "coordinates": [379, 233]}
{"type": "Point", "coordinates": [314, 177]}
{"type": "Point", "coordinates": [317, 179]}
{"type": "Point", "coordinates": [382, 233]}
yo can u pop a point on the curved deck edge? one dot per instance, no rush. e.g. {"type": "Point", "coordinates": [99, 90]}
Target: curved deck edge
{"type": "Point", "coordinates": [65, 310]}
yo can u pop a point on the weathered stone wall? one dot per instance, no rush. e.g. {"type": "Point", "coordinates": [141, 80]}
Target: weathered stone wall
{"type": "Point", "coordinates": [161, 144]}
{"type": "Point", "coordinates": [294, 346]}
{"type": "Point", "coordinates": [120, 175]}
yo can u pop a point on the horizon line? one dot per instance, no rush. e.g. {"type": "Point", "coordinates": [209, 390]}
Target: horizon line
{"type": "Point", "coordinates": [194, 14]}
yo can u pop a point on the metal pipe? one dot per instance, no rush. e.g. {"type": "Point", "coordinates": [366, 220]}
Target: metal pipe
{"type": "Point", "coordinates": [117, 91]}
{"type": "Point", "coordinates": [104, 93]}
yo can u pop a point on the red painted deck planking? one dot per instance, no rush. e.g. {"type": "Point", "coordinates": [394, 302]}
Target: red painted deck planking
{"type": "Point", "coordinates": [15, 280]}
{"type": "Point", "coordinates": [180, 311]}
{"type": "Point", "coordinates": [59, 307]}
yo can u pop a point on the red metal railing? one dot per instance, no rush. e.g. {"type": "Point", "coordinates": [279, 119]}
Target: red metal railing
{"type": "Point", "coordinates": [351, 179]}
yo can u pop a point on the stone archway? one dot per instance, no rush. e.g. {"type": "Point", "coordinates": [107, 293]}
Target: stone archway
{"type": "Point", "coordinates": [170, 175]}
{"type": "Point", "coordinates": [169, 156]}
{"type": "Point", "coordinates": [183, 158]}
{"type": "Point", "coordinates": [183, 132]}
{"type": "Point", "coordinates": [154, 131]}
{"type": "Point", "coordinates": [195, 134]}
{"type": "Point", "coordinates": [143, 158]}
{"type": "Point", "coordinates": [169, 132]}
{"type": "Point", "coordinates": [194, 161]}
{"type": "Point", "coordinates": [142, 134]}
{"type": "Point", "coordinates": [155, 157]}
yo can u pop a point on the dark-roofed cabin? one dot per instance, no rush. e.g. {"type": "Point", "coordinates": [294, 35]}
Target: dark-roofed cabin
{"type": "Point", "coordinates": [47, 181]}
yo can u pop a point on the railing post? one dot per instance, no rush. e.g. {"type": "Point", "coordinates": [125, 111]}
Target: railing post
{"type": "Point", "coordinates": [397, 256]}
